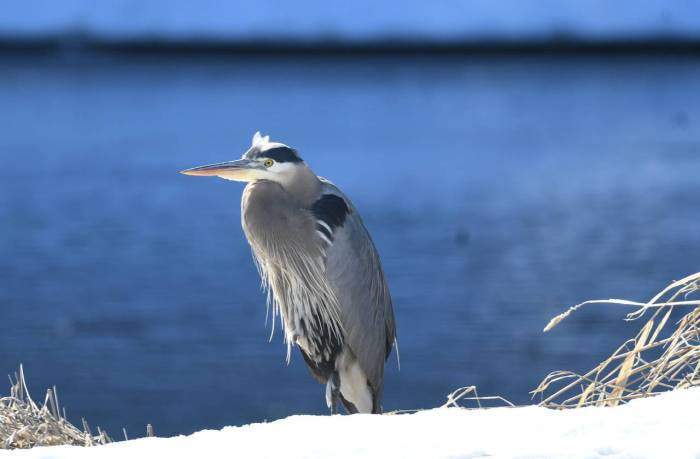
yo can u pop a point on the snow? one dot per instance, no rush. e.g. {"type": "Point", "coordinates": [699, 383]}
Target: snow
{"type": "Point", "coordinates": [356, 21]}
{"type": "Point", "coordinates": [660, 427]}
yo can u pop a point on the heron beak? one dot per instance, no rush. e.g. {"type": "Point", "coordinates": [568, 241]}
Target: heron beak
{"type": "Point", "coordinates": [230, 169]}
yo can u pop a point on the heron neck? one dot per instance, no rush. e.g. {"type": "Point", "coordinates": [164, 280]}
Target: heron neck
{"type": "Point", "coordinates": [305, 187]}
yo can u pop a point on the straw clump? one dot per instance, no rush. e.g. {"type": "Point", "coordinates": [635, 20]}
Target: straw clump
{"type": "Point", "coordinates": [24, 424]}
{"type": "Point", "coordinates": [660, 357]}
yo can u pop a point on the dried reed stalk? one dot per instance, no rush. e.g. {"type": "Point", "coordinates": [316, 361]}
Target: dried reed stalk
{"type": "Point", "coordinates": [458, 398]}
{"type": "Point", "coordinates": [657, 359]}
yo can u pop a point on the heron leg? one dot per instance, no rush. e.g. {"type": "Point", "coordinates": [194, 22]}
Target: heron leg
{"type": "Point", "coordinates": [333, 392]}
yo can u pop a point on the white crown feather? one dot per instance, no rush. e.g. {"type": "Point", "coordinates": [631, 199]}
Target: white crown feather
{"type": "Point", "coordinates": [259, 139]}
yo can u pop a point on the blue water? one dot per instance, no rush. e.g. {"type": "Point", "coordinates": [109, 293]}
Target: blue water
{"type": "Point", "coordinates": [499, 191]}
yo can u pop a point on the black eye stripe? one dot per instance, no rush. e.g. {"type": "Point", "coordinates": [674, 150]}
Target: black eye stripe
{"type": "Point", "coordinates": [282, 155]}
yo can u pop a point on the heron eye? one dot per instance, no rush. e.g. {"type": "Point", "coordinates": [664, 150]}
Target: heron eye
{"type": "Point", "coordinates": [268, 163]}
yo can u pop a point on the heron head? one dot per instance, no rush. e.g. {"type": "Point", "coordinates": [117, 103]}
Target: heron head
{"type": "Point", "coordinates": [264, 160]}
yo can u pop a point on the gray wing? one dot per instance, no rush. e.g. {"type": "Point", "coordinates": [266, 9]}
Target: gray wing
{"type": "Point", "coordinates": [355, 273]}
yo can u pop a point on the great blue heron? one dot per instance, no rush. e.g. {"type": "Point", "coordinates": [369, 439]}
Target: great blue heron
{"type": "Point", "coordinates": [318, 262]}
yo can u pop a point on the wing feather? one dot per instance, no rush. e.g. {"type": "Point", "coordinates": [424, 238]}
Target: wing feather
{"type": "Point", "coordinates": [355, 273]}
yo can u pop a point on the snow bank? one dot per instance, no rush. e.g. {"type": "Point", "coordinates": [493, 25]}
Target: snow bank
{"type": "Point", "coordinates": [356, 21]}
{"type": "Point", "coordinates": [661, 427]}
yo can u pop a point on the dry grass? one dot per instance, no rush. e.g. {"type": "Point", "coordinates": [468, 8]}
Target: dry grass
{"type": "Point", "coordinates": [660, 357]}
{"type": "Point", "coordinates": [462, 396]}
{"type": "Point", "coordinates": [24, 424]}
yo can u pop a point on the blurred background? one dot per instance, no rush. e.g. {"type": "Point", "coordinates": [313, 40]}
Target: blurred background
{"type": "Point", "coordinates": [509, 158]}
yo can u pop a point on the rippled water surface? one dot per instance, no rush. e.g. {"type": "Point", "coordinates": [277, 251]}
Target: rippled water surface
{"type": "Point", "coordinates": [499, 190]}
